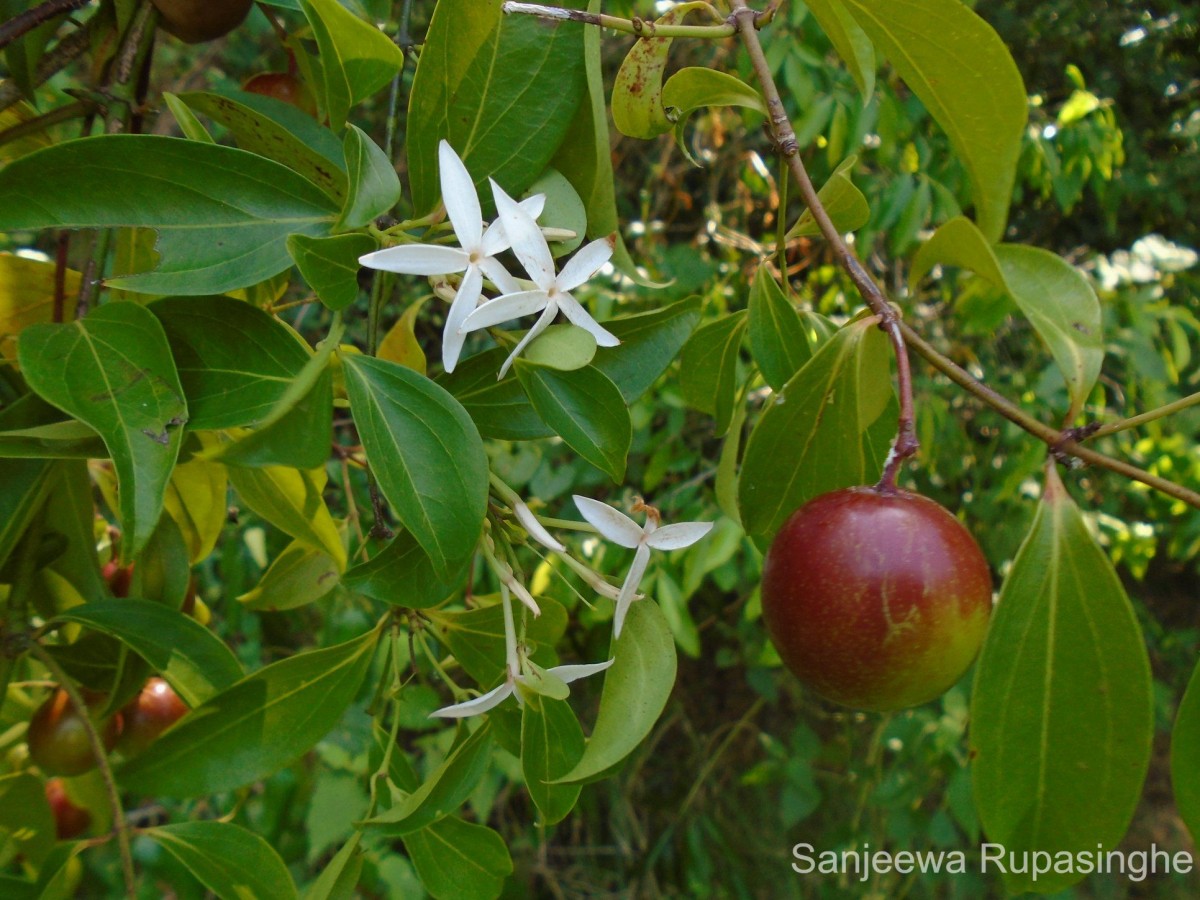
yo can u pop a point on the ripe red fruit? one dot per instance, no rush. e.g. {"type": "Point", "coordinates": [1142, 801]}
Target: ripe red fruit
{"type": "Point", "coordinates": [58, 741]}
{"type": "Point", "coordinates": [148, 715]}
{"type": "Point", "coordinates": [283, 86]}
{"type": "Point", "coordinates": [70, 820]}
{"type": "Point", "coordinates": [194, 21]}
{"type": "Point", "coordinates": [874, 599]}
{"type": "Point", "coordinates": [118, 577]}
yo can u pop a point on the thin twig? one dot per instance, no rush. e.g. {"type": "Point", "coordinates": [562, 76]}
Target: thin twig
{"type": "Point", "coordinates": [20, 25]}
{"type": "Point", "coordinates": [640, 27]}
{"type": "Point", "coordinates": [64, 53]}
{"type": "Point", "coordinates": [1148, 416]}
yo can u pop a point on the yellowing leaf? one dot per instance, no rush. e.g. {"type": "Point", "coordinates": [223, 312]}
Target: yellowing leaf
{"type": "Point", "coordinates": [400, 344]}
{"type": "Point", "coordinates": [27, 297]}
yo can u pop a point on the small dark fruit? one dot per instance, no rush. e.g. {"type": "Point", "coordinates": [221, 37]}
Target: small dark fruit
{"type": "Point", "coordinates": [876, 599]}
{"type": "Point", "coordinates": [196, 21]}
{"type": "Point", "coordinates": [283, 86]}
{"type": "Point", "coordinates": [58, 741]}
{"type": "Point", "coordinates": [118, 577]}
{"type": "Point", "coordinates": [70, 820]}
{"type": "Point", "coordinates": [155, 709]}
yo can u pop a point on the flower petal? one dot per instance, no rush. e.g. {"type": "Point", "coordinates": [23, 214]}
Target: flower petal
{"type": "Point", "coordinates": [678, 536]}
{"type": "Point", "coordinates": [499, 276]}
{"type": "Point", "coordinates": [574, 673]}
{"type": "Point", "coordinates": [577, 315]}
{"type": "Point", "coordinates": [464, 304]}
{"type": "Point", "coordinates": [417, 259]}
{"type": "Point", "coordinates": [612, 523]}
{"type": "Point", "coordinates": [527, 240]}
{"type": "Point", "coordinates": [495, 238]}
{"type": "Point", "coordinates": [524, 596]}
{"type": "Point", "coordinates": [586, 263]}
{"type": "Point", "coordinates": [501, 309]}
{"type": "Point", "coordinates": [539, 326]}
{"type": "Point", "coordinates": [640, 558]}
{"type": "Point", "coordinates": [491, 699]}
{"type": "Point", "coordinates": [460, 198]}
{"type": "Point", "coordinates": [535, 528]}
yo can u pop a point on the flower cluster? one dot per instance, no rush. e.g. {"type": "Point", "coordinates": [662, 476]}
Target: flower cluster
{"type": "Point", "coordinates": [475, 257]}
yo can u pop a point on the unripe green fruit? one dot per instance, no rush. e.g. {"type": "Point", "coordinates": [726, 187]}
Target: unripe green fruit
{"type": "Point", "coordinates": [148, 715]}
{"type": "Point", "coordinates": [57, 738]}
{"type": "Point", "coordinates": [877, 600]}
{"type": "Point", "coordinates": [196, 21]}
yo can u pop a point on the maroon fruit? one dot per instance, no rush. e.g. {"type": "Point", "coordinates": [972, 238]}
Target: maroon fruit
{"type": "Point", "coordinates": [70, 820]}
{"type": "Point", "coordinates": [283, 86]}
{"type": "Point", "coordinates": [118, 577]}
{"type": "Point", "coordinates": [148, 715]}
{"type": "Point", "coordinates": [58, 741]}
{"type": "Point", "coordinates": [875, 599]}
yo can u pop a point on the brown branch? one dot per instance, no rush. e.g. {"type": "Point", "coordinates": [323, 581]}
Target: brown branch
{"type": "Point", "coordinates": [64, 53]}
{"type": "Point", "coordinates": [19, 26]}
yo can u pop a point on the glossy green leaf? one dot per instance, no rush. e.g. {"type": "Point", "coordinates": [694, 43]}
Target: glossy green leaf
{"type": "Point", "coordinates": [777, 338]}
{"type": "Point", "coordinates": [69, 516]}
{"type": "Point", "coordinates": [1062, 715]}
{"type": "Point", "coordinates": [290, 499]}
{"type": "Point", "coordinates": [850, 41]}
{"type": "Point", "coordinates": [67, 439]}
{"type": "Point", "coordinates": [551, 746]}
{"type": "Point", "coordinates": [499, 409]}
{"type": "Point", "coordinates": [254, 727]}
{"type": "Point", "coordinates": [26, 820]}
{"type": "Point", "coordinates": [476, 637]}
{"type": "Point", "coordinates": [443, 791]}
{"type": "Point", "coordinates": [374, 185]}
{"type": "Point", "coordinates": [708, 367]}
{"type": "Point", "coordinates": [226, 385]}
{"type": "Point", "coordinates": [206, 244]}
{"type": "Point", "coordinates": [23, 485]}
{"type": "Point", "coordinates": [401, 574]}
{"type": "Point", "coordinates": [695, 87]}
{"type": "Point", "coordinates": [193, 659]}
{"type": "Point", "coordinates": [637, 106]}
{"type": "Point", "coordinates": [279, 131]}
{"type": "Point", "coordinates": [339, 878]}
{"type": "Point", "coordinates": [957, 65]}
{"type": "Point", "coordinates": [330, 265]}
{"type": "Point", "coordinates": [585, 409]}
{"type": "Point", "coordinates": [845, 203]}
{"type": "Point", "coordinates": [565, 347]}
{"type": "Point", "coordinates": [650, 341]}
{"type": "Point", "coordinates": [426, 453]}
{"type": "Point", "coordinates": [1056, 297]}
{"type": "Point", "coordinates": [191, 126]}
{"type": "Point", "coordinates": [459, 860]}
{"type": "Point", "coordinates": [501, 89]}
{"type": "Point", "coordinates": [1185, 755]}
{"type": "Point", "coordinates": [113, 371]}
{"type": "Point", "coordinates": [563, 209]}
{"type": "Point", "coordinates": [815, 433]}
{"type": "Point", "coordinates": [357, 59]}
{"type": "Point", "coordinates": [636, 689]}
{"type": "Point", "coordinates": [231, 861]}
{"type": "Point", "coordinates": [299, 575]}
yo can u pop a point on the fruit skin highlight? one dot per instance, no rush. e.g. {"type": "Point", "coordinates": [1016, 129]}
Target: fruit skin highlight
{"type": "Point", "coordinates": [876, 599]}
{"type": "Point", "coordinates": [155, 709]}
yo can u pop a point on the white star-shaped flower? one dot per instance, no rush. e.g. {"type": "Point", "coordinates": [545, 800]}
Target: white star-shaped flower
{"type": "Point", "coordinates": [552, 292]}
{"type": "Point", "coordinates": [475, 256]}
{"type": "Point", "coordinates": [622, 530]}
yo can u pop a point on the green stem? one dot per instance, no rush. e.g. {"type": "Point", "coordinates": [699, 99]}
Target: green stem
{"type": "Point", "coordinates": [75, 110]}
{"type": "Point", "coordinates": [1149, 416]}
{"type": "Point", "coordinates": [636, 26]}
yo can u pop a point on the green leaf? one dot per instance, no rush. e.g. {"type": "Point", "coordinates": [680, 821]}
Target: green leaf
{"type": "Point", "coordinates": [193, 659]}
{"type": "Point", "coordinates": [636, 689]}
{"type": "Point", "coordinates": [193, 129]}
{"type": "Point", "coordinates": [501, 90]}
{"type": "Point", "coordinates": [1057, 299]}
{"type": "Point", "coordinates": [637, 105]}
{"type": "Point", "coordinates": [777, 337]}
{"type": "Point", "coordinates": [499, 409]}
{"type": "Point", "coordinates": [330, 265]}
{"type": "Point", "coordinates": [426, 453]}
{"type": "Point", "coordinates": [815, 433]}
{"type": "Point", "coordinates": [113, 371]}
{"type": "Point", "coordinates": [551, 746]}
{"type": "Point", "coordinates": [206, 244]}
{"type": "Point", "coordinates": [650, 341]}
{"type": "Point", "coordinates": [23, 487]}
{"type": "Point", "coordinates": [694, 87]}
{"type": "Point", "coordinates": [564, 347]}
{"type": "Point", "coordinates": [443, 791]}
{"type": "Point", "coordinates": [563, 209]}
{"type": "Point", "coordinates": [357, 59]}
{"type": "Point", "coordinates": [279, 131]}
{"type": "Point", "coordinates": [401, 574]}
{"type": "Point", "coordinates": [296, 577]}
{"type": "Point", "coordinates": [374, 185]}
{"type": "Point", "coordinates": [458, 860]}
{"type": "Point", "coordinates": [196, 499]}
{"type": "Point", "coordinates": [231, 861]}
{"type": "Point", "coordinates": [226, 385]}
{"type": "Point", "coordinates": [254, 727]}
{"type": "Point", "coordinates": [708, 368]}
{"type": "Point", "coordinates": [340, 877]}
{"type": "Point", "coordinates": [1185, 750]}
{"type": "Point", "coordinates": [585, 409]}
{"type": "Point", "coordinates": [957, 67]}
{"type": "Point", "coordinates": [290, 499]}
{"type": "Point", "coordinates": [26, 820]}
{"type": "Point", "coordinates": [1062, 715]}
{"type": "Point", "coordinates": [476, 637]}
{"type": "Point", "coordinates": [845, 203]}
{"type": "Point", "coordinates": [850, 41]}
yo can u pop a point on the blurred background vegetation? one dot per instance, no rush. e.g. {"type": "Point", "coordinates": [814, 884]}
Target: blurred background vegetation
{"type": "Point", "coordinates": [743, 763]}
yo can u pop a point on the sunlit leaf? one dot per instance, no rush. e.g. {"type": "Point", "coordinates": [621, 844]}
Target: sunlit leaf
{"type": "Point", "coordinates": [299, 575]}
{"type": "Point", "coordinates": [695, 87]}
{"type": "Point", "coordinates": [459, 860]}
{"type": "Point", "coordinates": [27, 289]}
{"type": "Point", "coordinates": [231, 861]}
{"type": "Point", "coordinates": [290, 499]}
{"type": "Point", "coordinates": [850, 41]}
{"type": "Point", "coordinates": [845, 203]}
